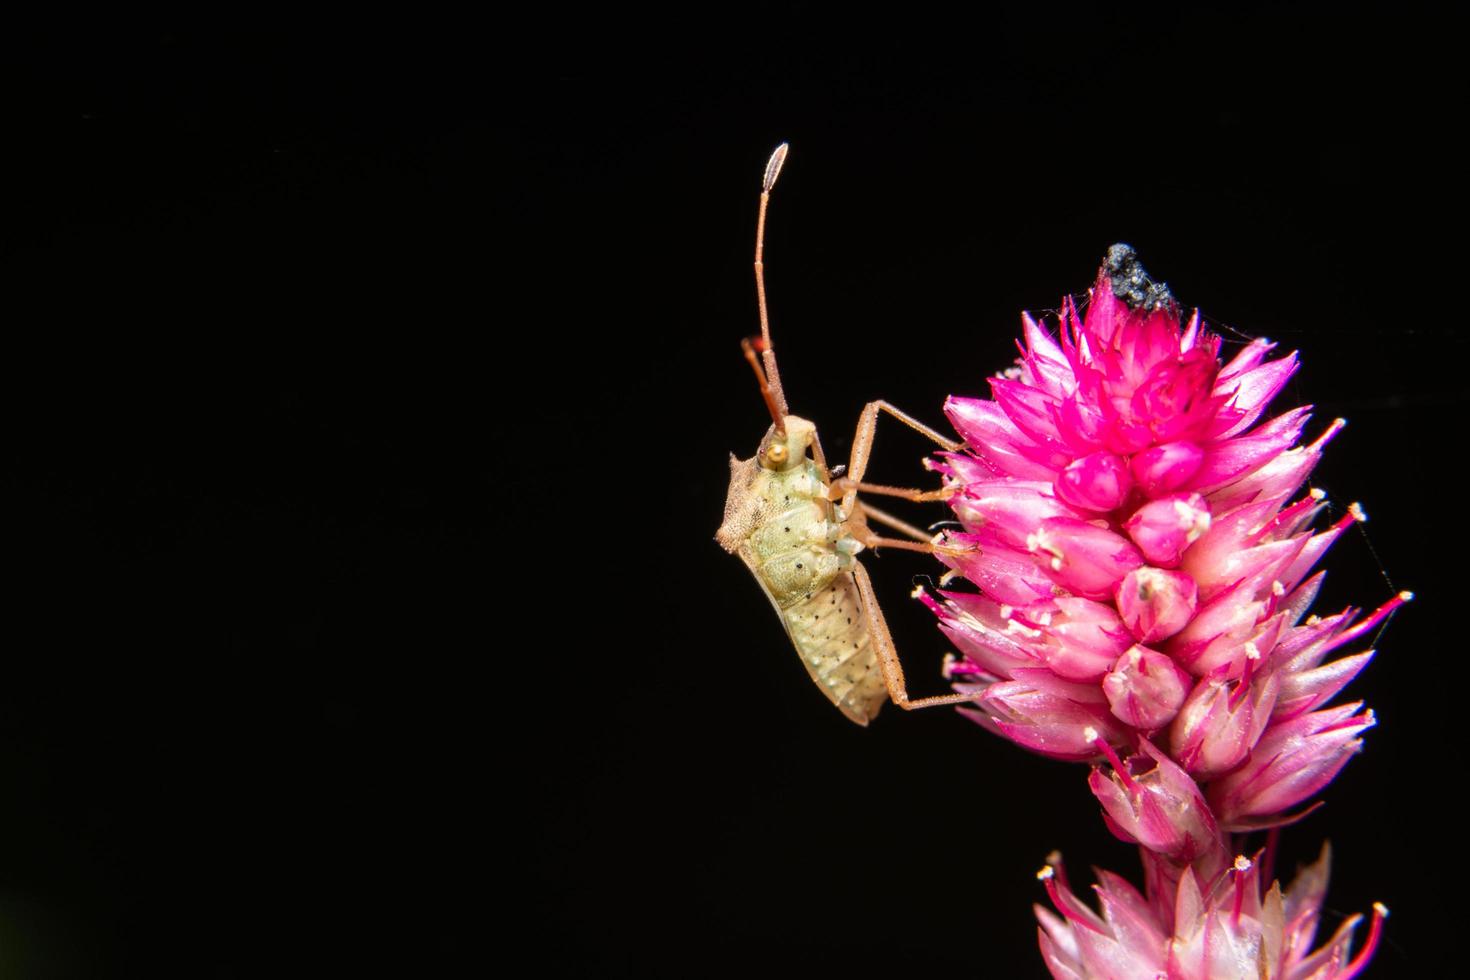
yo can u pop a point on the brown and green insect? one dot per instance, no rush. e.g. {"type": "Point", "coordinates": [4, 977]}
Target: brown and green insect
{"type": "Point", "coordinates": [798, 526]}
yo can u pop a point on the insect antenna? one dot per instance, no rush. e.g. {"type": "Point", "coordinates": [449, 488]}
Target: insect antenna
{"type": "Point", "coordinates": [749, 346]}
{"type": "Point", "coordinates": [773, 170]}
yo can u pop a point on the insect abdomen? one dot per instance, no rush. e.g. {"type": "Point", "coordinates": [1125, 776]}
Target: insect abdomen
{"type": "Point", "coordinates": [831, 635]}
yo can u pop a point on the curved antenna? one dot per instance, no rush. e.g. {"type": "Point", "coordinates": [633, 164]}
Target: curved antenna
{"type": "Point", "coordinates": [768, 353]}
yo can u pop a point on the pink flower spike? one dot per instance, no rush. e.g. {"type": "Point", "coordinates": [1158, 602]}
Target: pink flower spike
{"type": "Point", "coordinates": [1145, 689]}
{"type": "Point", "coordinates": [1164, 528]}
{"type": "Point", "coordinates": [1292, 761]}
{"type": "Point", "coordinates": [1083, 558]}
{"type": "Point", "coordinates": [1208, 921]}
{"type": "Point", "coordinates": [1144, 555]}
{"type": "Point", "coordinates": [1099, 482]}
{"type": "Point", "coordinates": [1155, 604]}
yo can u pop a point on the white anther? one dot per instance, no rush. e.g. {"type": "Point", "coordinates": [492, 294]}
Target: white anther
{"type": "Point", "coordinates": [1356, 509]}
{"type": "Point", "coordinates": [1243, 863]}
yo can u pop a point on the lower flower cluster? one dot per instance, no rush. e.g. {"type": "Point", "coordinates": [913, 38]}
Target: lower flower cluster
{"type": "Point", "coordinates": [1143, 554]}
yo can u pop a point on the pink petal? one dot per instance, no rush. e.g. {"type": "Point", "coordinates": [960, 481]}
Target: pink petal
{"type": "Point", "coordinates": [1097, 482]}
{"type": "Point", "coordinates": [1083, 558]}
{"type": "Point", "coordinates": [1155, 604]}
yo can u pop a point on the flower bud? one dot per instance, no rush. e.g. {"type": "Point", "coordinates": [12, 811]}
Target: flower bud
{"type": "Point", "coordinates": [1161, 809]}
{"type": "Point", "coordinates": [1099, 482]}
{"type": "Point", "coordinates": [1293, 760]}
{"type": "Point", "coordinates": [1041, 712]}
{"type": "Point", "coordinates": [1163, 528]}
{"type": "Point", "coordinates": [1083, 558]}
{"type": "Point", "coordinates": [1163, 469]}
{"type": "Point", "coordinates": [1155, 604]}
{"type": "Point", "coordinates": [1219, 723]}
{"type": "Point", "coordinates": [1145, 688]}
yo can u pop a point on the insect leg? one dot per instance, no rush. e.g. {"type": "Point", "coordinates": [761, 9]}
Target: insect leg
{"type": "Point", "coordinates": [924, 543]}
{"type": "Point", "coordinates": [862, 447]}
{"type": "Point", "coordinates": [872, 409]}
{"type": "Point", "coordinates": [888, 657]}
{"type": "Point", "coordinates": [888, 520]}
{"type": "Point", "coordinates": [848, 485]}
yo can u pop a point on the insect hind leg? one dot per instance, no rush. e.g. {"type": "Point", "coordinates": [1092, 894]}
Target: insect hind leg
{"type": "Point", "coordinates": [888, 663]}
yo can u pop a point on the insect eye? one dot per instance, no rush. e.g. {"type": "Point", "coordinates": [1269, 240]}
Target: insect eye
{"type": "Point", "coordinates": [776, 453]}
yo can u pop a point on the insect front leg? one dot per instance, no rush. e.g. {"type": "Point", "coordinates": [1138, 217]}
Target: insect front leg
{"type": "Point", "coordinates": [887, 656]}
{"type": "Point", "coordinates": [862, 447]}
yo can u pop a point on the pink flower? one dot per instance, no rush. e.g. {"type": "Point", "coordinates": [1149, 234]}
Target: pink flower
{"type": "Point", "coordinates": [1143, 553]}
{"type": "Point", "coordinates": [1122, 495]}
{"type": "Point", "coordinates": [1224, 924]}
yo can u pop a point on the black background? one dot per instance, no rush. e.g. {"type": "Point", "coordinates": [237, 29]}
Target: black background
{"type": "Point", "coordinates": [368, 389]}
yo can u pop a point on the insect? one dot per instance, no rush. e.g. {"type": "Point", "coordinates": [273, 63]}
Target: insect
{"type": "Point", "coordinates": [799, 526]}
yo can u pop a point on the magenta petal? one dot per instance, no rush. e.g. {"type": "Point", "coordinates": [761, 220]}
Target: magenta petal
{"type": "Point", "coordinates": [1145, 688]}
{"type": "Point", "coordinates": [1008, 512]}
{"type": "Point", "coordinates": [975, 625]}
{"type": "Point", "coordinates": [1002, 573]}
{"type": "Point", "coordinates": [1249, 357]}
{"type": "Point", "coordinates": [1292, 761]}
{"type": "Point", "coordinates": [1229, 461]}
{"type": "Point", "coordinates": [1097, 482]}
{"type": "Point", "coordinates": [1052, 718]}
{"type": "Point", "coordinates": [1083, 558]}
{"type": "Point", "coordinates": [1218, 725]}
{"type": "Point", "coordinates": [1029, 409]}
{"type": "Point", "coordinates": [1164, 528]}
{"type": "Point", "coordinates": [1044, 364]}
{"type": "Point", "coordinates": [1155, 604]}
{"type": "Point", "coordinates": [988, 432]}
{"type": "Point", "coordinates": [1306, 690]}
{"type": "Point", "coordinates": [1253, 390]}
{"type": "Point", "coordinates": [1212, 555]}
{"type": "Point", "coordinates": [1160, 808]}
{"type": "Point", "coordinates": [1164, 469]}
{"type": "Point", "coordinates": [1081, 638]}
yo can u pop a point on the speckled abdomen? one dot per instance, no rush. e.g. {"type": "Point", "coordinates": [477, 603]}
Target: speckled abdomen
{"type": "Point", "coordinates": [831, 635]}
